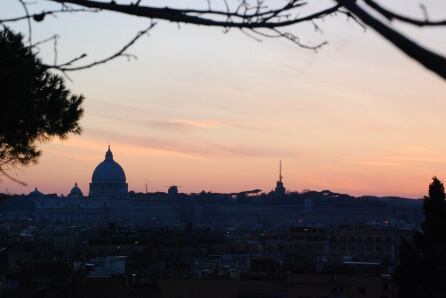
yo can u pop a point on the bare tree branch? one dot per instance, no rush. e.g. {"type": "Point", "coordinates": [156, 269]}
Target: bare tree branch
{"type": "Point", "coordinates": [198, 17]}
{"type": "Point", "coordinates": [425, 57]}
{"type": "Point", "coordinates": [261, 20]}
{"type": "Point", "coordinates": [25, 8]}
{"type": "Point", "coordinates": [65, 67]}
{"type": "Point", "coordinates": [6, 174]}
{"type": "Point", "coordinates": [389, 15]}
{"type": "Point", "coordinates": [38, 17]}
{"type": "Point", "coordinates": [55, 36]}
{"type": "Point", "coordinates": [291, 37]}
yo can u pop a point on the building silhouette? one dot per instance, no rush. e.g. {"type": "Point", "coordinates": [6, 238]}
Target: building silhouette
{"type": "Point", "coordinates": [75, 192]}
{"type": "Point", "coordinates": [110, 201]}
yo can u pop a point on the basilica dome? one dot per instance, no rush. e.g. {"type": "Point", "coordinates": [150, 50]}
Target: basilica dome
{"type": "Point", "coordinates": [108, 180]}
{"type": "Point", "coordinates": [75, 192]}
{"type": "Point", "coordinates": [108, 170]}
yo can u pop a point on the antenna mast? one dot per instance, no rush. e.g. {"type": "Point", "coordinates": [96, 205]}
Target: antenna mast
{"type": "Point", "coordinates": [146, 183]}
{"type": "Point", "coordinates": [280, 171]}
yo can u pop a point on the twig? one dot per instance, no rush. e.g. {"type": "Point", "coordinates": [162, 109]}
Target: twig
{"type": "Point", "coordinates": [25, 8]}
{"type": "Point", "coordinates": [4, 173]}
{"type": "Point", "coordinates": [389, 15]}
{"type": "Point", "coordinates": [65, 67]}
{"type": "Point", "coordinates": [38, 17]}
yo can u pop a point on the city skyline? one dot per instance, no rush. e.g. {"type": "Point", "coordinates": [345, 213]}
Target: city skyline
{"type": "Point", "coordinates": [152, 185]}
{"type": "Point", "coordinates": [222, 148]}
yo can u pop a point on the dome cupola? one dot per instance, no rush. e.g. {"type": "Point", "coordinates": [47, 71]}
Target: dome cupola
{"type": "Point", "coordinates": [75, 192]}
{"type": "Point", "coordinates": [36, 193]}
{"type": "Point", "coordinates": [108, 179]}
{"type": "Point", "coordinates": [108, 170]}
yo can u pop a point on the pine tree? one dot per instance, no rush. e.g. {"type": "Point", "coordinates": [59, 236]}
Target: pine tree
{"type": "Point", "coordinates": [35, 105]}
{"type": "Point", "coordinates": [422, 261]}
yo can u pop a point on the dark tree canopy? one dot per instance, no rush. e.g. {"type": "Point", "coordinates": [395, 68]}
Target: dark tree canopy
{"type": "Point", "coordinates": [422, 268]}
{"type": "Point", "coordinates": [35, 104]}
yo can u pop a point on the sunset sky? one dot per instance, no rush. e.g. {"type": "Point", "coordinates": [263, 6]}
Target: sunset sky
{"type": "Point", "coordinates": [212, 111]}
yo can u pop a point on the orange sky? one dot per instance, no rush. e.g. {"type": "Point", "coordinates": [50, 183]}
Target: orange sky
{"type": "Point", "coordinates": [213, 111]}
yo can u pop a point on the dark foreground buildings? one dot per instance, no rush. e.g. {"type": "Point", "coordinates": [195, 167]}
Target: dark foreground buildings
{"type": "Point", "coordinates": [115, 243]}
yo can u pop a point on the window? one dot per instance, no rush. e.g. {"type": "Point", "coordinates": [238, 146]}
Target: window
{"type": "Point", "coordinates": [361, 290]}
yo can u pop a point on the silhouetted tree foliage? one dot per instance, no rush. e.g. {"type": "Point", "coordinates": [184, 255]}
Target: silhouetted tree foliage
{"type": "Point", "coordinates": [35, 104]}
{"type": "Point", "coordinates": [422, 268]}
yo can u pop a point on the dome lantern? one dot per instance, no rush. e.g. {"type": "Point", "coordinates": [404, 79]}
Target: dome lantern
{"type": "Point", "coordinates": [109, 154]}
